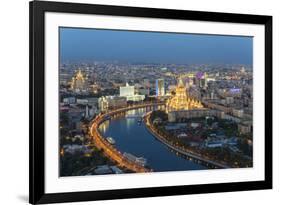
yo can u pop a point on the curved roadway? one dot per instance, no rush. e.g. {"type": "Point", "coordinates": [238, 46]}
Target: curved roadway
{"type": "Point", "coordinates": [109, 150]}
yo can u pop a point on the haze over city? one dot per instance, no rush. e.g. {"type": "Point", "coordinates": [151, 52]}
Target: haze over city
{"type": "Point", "coordinates": [153, 47]}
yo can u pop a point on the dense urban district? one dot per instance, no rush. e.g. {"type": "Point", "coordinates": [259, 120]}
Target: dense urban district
{"type": "Point", "coordinates": [202, 114]}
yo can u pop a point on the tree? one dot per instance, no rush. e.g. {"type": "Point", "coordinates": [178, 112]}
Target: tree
{"type": "Point", "coordinates": [159, 114]}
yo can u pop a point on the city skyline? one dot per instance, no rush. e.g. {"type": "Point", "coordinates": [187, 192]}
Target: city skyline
{"type": "Point", "coordinates": [111, 112]}
{"type": "Point", "coordinates": [153, 47]}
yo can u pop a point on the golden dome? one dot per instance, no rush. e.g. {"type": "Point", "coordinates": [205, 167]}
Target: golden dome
{"type": "Point", "coordinates": [181, 100]}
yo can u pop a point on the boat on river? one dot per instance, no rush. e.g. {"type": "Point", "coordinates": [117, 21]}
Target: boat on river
{"type": "Point", "coordinates": [139, 160]}
{"type": "Point", "coordinates": [110, 140]}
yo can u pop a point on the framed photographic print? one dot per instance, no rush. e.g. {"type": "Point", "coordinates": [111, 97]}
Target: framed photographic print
{"type": "Point", "coordinates": [140, 102]}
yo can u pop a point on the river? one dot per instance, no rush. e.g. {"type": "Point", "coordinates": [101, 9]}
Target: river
{"type": "Point", "coordinates": [132, 136]}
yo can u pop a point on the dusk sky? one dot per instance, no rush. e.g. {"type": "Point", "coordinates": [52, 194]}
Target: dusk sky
{"type": "Point", "coordinates": [153, 47]}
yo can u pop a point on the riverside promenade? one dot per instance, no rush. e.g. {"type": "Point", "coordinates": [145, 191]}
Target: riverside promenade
{"type": "Point", "coordinates": [182, 151]}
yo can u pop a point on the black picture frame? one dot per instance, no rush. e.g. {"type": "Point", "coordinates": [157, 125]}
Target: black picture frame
{"type": "Point", "coordinates": [37, 10]}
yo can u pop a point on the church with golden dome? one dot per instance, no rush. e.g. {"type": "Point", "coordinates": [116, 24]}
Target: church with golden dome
{"type": "Point", "coordinates": [181, 100]}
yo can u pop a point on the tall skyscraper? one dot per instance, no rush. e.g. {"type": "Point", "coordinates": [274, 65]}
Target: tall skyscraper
{"type": "Point", "coordinates": [160, 87]}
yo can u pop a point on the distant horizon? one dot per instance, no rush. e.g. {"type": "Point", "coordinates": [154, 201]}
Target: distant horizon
{"type": "Point", "coordinates": [139, 47]}
{"type": "Point", "coordinates": [81, 61]}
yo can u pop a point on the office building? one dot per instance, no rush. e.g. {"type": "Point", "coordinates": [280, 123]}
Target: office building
{"type": "Point", "coordinates": [160, 87]}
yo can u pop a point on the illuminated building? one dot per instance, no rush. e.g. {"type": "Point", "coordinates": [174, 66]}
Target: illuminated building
{"type": "Point", "coordinates": [203, 81]}
{"type": "Point", "coordinates": [181, 100]}
{"type": "Point", "coordinates": [175, 116]}
{"type": "Point", "coordinates": [245, 127]}
{"type": "Point", "coordinates": [129, 92]}
{"type": "Point", "coordinates": [95, 88]}
{"type": "Point", "coordinates": [160, 87]}
{"type": "Point", "coordinates": [238, 112]}
{"type": "Point", "coordinates": [103, 104]}
{"type": "Point", "coordinates": [199, 75]}
{"type": "Point", "coordinates": [242, 70]}
{"type": "Point", "coordinates": [78, 82]}
{"type": "Point", "coordinates": [69, 100]}
{"type": "Point", "coordinates": [229, 100]}
{"type": "Point", "coordinates": [230, 92]}
{"type": "Point", "coordinates": [135, 98]}
{"type": "Point", "coordinates": [64, 78]}
{"type": "Point", "coordinates": [111, 102]}
{"type": "Point", "coordinates": [146, 83]}
{"type": "Point", "coordinates": [143, 91]}
{"type": "Point", "coordinates": [82, 101]}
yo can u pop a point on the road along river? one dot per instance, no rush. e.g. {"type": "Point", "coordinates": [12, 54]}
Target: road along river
{"type": "Point", "coordinates": [132, 136]}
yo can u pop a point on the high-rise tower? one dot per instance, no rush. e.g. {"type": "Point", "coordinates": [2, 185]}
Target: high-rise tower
{"type": "Point", "coordinates": [160, 87]}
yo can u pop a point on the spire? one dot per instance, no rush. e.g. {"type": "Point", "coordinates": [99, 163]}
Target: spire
{"type": "Point", "coordinates": [180, 84]}
{"type": "Point", "coordinates": [181, 100]}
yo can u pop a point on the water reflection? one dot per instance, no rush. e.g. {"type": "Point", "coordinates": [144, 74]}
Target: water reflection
{"type": "Point", "coordinates": [104, 126]}
{"type": "Point", "coordinates": [133, 137]}
{"type": "Point", "coordinates": [129, 123]}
